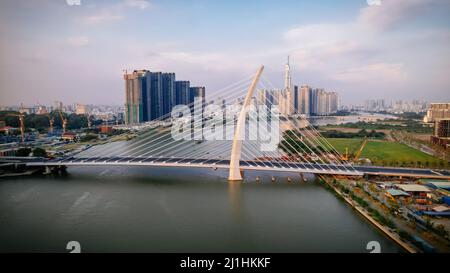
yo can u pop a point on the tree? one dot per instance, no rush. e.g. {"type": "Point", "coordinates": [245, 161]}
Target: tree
{"type": "Point", "coordinates": [39, 152]}
{"type": "Point", "coordinates": [23, 152]}
{"type": "Point", "coordinates": [293, 143]}
{"type": "Point", "coordinates": [89, 137]}
{"type": "Point", "coordinates": [77, 121]}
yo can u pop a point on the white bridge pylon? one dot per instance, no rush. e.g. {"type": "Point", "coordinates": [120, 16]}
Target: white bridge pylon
{"type": "Point", "coordinates": [235, 170]}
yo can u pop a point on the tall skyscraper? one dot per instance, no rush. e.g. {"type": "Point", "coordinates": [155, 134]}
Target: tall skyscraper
{"type": "Point", "coordinates": [152, 95]}
{"type": "Point", "coordinates": [133, 97]}
{"type": "Point", "coordinates": [156, 105]}
{"type": "Point", "coordinates": [327, 102]}
{"type": "Point", "coordinates": [304, 100]}
{"type": "Point", "coordinates": [267, 97]}
{"type": "Point", "coordinates": [287, 75]}
{"type": "Point", "coordinates": [313, 106]}
{"type": "Point", "coordinates": [296, 98]}
{"type": "Point", "coordinates": [332, 102]}
{"type": "Point", "coordinates": [286, 98]}
{"type": "Point", "coordinates": [182, 92]}
{"type": "Point", "coordinates": [168, 92]}
{"type": "Point", "coordinates": [197, 92]}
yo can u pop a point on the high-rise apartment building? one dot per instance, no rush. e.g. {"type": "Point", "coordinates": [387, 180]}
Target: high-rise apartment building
{"type": "Point", "coordinates": [182, 89]}
{"type": "Point", "coordinates": [168, 92]}
{"type": "Point", "coordinates": [81, 109]}
{"type": "Point", "coordinates": [313, 102]}
{"type": "Point", "coordinates": [197, 92]}
{"type": "Point", "coordinates": [296, 98]}
{"type": "Point", "coordinates": [152, 95]}
{"type": "Point", "coordinates": [266, 97]}
{"type": "Point", "coordinates": [437, 111]}
{"type": "Point", "coordinates": [133, 97]}
{"type": "Point", "coordinates": [304, 100]}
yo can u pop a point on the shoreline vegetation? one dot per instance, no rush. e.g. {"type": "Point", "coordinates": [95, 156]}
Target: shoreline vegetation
{"type": "Point", "coordinates": [385, 225]}
{"type": "Point", "coordinates": [387, 216]}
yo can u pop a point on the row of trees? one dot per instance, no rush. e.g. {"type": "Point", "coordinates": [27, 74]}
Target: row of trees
{"type": "Point", "coordinates": [418, 164]}
{"type": "Point", "coordinates": [38, 152]}
{"type": "Point", "coordinates": [360, 134]}
{"type": "Point", "coordinates": [407, 125]}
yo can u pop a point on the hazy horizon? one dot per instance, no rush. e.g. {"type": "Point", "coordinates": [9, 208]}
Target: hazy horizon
{"type": "Point", "coordinates": [76, 54]}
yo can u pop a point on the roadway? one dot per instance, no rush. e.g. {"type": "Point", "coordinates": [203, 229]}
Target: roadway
{"type": "Point", "coordinates": [281, 166]}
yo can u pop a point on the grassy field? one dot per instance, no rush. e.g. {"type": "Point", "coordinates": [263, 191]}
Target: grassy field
{"type": "Point", "coordinates": [341, 143]}
{"type": "Point", "coordinates": [386, 153]}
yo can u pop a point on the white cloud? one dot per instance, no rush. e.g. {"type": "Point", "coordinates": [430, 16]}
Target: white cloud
{"type": "Point", "coordinates": [378, 72]}
{"type": "Point", "coordinates": [78, 41]}
{"type": "Point", "coordinates": [361, 50]}
{"type": "Point", "coordinates": [392, 13]}
{"type": "Point", "coordinates": [114, 12]}
{"type": "Point", "coordinates": [140, 4]}
{"type": "Point", "coordinates": [321, 46]}
{"type": "Point", "coordinates": [319, 34]}
{"type": "Point", "coordinates": [102, 17]}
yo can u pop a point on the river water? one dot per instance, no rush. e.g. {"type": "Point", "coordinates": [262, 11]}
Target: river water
{"type": "Point", "coordinates": [142, 209]}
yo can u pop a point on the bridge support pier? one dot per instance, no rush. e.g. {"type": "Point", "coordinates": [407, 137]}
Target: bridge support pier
{"type": "Point", "coordinates": [55, 169]}
{"type": "Point", "coordinates": [235, 172]}
{"type": "Point", "coordinates": [302, 177]}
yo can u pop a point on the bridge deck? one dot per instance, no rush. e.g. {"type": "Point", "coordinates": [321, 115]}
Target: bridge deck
{"type": "Point", "coordinates": [348, 170]}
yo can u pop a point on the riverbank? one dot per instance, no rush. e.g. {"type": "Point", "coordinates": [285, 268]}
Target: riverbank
{"type": "Point", "coordinates": [392, 235]}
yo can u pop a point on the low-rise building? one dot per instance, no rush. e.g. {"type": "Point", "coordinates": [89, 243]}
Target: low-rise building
{"type": "Point", "coordinates": [413, 189]}
{"type": "Point", "coordinates": [106, 129]}
{"type": "Point", "coordinates": [69, 136]}
{"type": "Point", "coordinates": [396, 193]}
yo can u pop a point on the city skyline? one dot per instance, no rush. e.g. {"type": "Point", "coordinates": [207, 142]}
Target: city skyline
{"type": "Point", "coordinates": [77, 53]}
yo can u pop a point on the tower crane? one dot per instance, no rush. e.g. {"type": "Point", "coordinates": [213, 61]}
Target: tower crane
{"type": "Point", "coordinates": [63, 121]}
{"type": "Point", "coordinates": [51, 121]}
{"type": "Point", "coordinates": [22, 126]}
{"type": "Point", "coordinates": [89, 121]}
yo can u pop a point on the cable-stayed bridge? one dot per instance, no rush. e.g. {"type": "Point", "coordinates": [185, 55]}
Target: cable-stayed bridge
{"type": "Point", "coordinates": [221, 135]}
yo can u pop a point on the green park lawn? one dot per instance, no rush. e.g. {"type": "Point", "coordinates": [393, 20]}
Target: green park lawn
{"type": "Point", "coordinates": [386, 153]}
{"type": "Point", "coordinates": [340, 144]}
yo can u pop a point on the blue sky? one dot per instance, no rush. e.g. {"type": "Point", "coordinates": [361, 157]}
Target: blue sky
{"type": "Point", "coordinates": [53, 51]}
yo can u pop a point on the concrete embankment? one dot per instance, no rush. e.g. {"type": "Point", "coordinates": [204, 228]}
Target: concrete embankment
{"type": "Point", "coordinates": [366, 215]}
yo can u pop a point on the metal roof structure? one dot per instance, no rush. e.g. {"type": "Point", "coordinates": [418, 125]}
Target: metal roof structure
{"type": "Point", "coordinates": [412, 187]}
{"type": "Point", "coordinates": [396, 193]}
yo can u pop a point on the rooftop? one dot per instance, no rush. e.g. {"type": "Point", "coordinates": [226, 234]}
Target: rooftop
{"type": "Point", "coordinates": [441, 209]}
{"type": "Point", "coordinates": [412, 187]}
{"type": "Point", "coordinates": [395, 192]}
{"type": "Point", "coordinates": [440, 184]}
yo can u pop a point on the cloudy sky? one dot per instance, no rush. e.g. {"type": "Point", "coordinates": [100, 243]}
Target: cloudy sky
{"type": "Point", "coordinates": [50, 50]}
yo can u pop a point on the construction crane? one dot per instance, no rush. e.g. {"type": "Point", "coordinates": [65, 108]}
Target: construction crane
{"type": "Point", "coordinates": [63, 121]}
{"type": "Point", "coordinates": [22, 126]}
{"type": "Point", "coordinates": [89, 121]}
{"type": "Point", "coordinates": [51, 121]}
{"type": "Point", "coordinates": [345, 156]}
{"type": "Point", "coordinates": [358, 154]}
